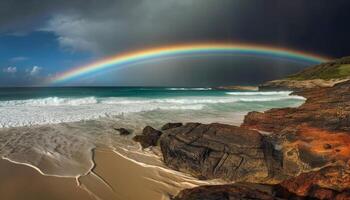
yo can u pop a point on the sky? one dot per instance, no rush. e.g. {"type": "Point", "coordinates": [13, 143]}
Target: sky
{"type": "Point", "coordinates": [40, 39]}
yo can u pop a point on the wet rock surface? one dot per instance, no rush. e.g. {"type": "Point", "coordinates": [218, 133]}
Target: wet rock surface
{"type": "Point", "coordinates": [304, 156]}
{"type": "Point", "coordinates": [224, 192]}
{"type": "Point", "coordinates": [149, 137]}
{"type": "Point", "coordinates": [326, 108]}
{"type": "Point", "coordinates": [327, 183]}
{"type": "Point", "coordinates": [170, 126]}
{"type": "Point", "coordinates": [228, 152]}
{"type": "Point", "coordinates": [123, 131]}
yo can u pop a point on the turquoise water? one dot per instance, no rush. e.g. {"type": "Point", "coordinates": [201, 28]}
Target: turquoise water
{"type": "Point", "coordinates": [78, 92]}
{"type": "Point", "coordinates": [31, 106]}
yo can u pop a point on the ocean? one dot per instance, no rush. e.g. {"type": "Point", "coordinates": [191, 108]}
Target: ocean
{"type": "Point", "coordinates": [35, 106]}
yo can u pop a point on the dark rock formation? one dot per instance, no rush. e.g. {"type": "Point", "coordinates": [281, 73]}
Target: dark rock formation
{"type": "Point", "coordinates": [149, 137]}
{"type": "Point", "coordinates": [306, 155]}
{"type": "Point", "coordinates": [123, 131]}
{"type": "Point", "coordinates": [221, 151]}
{"type": "Point", "coordinates": [170, 126]}
{"type": "Point", "coordinates": [301, 189]}
{"type": "Point", "coordinates": [327, 183]}
{"type": "Point", "coordinates": [224, 192]}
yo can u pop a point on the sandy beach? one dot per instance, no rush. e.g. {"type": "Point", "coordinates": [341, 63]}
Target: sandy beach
{"type": "Point", "coordinates": [114, 177]}
{"type": "Point", "coordinates": [128, 180]}
{"type": "Point", "coordinates": [19, 182]}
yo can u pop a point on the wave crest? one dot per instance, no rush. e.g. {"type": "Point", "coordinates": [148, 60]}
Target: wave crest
{"type": "Point", "coordinates": [51, 101]}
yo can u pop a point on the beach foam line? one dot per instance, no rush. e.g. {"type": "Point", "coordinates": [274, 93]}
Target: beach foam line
{"type": "Point", "coordinates": [92, 165]}
{"type": "Point", "coordinates": [36, 168]}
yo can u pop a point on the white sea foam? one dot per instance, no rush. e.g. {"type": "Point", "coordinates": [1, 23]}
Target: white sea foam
{"type": "Point", "coordinates": [56, 109]}
{"type": "Point", "coordinates": [50, 101]}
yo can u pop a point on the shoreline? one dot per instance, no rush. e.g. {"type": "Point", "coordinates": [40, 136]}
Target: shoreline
{"type": "Point", "coordinates": [113, 176]}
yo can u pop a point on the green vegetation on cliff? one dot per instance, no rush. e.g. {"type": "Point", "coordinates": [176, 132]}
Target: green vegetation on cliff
{"type": "Point", "coordinates": [337, 69]}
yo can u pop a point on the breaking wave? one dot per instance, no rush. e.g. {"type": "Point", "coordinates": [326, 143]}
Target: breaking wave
{"type": "Point", "coordinates": [49, 110]}
{"type": "Point", "coordinates": [50, 101]}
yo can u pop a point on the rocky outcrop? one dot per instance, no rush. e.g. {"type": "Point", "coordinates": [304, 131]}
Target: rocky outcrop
{"type": "Point", "coordinates": [225, 192]}
{"type": "Point", "coordinates": [212, 151]}
{"type": "Point", "coordinates": [149, 137]}
{"type": "Point", "coordinates": [298, 85]}
{"type": "Point", "coordinates": [327, 183]}
{"type": "Point", "coordinates": [326, 108]}
{"type": "Point", "coordinates": [314, 140]}
{"type": "Point", "coordinates": [304, 155]}
{"type": "Point", "coordinates": [170, 126]}
{"type": "Point", "coordinates": [123, 131]}
{"type": "Point", "coordinates": [300, 188]}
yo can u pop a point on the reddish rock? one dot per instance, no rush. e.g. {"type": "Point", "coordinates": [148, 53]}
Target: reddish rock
{"type": "Point", "coordinates": [322, 183]}
{"type": "Point", "coordinates": [312, 136]}
{"type": "Point", "coordinates": [306, 153]}
{"type": "Point", "coordinates": [343, 196]}
{"type": "Point", "coordinates": [325, 108]}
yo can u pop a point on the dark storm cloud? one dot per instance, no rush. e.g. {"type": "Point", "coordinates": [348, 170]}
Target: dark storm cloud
{"type": "Point", "coordinates": [107, 27]}
{"type": "Point", "coordinates": [110, 26]}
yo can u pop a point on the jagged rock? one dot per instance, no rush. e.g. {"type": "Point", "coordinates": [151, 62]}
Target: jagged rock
{"type": "Point", "coordinates": [327, 183]}
{"type": "Point", "coordinates": [224, 192]}
{"type": "Point", "coordinates": [170, 126]}
{"type": "Point", "coordinates": [123, 131]}
{"type": "Point", "coordinates": [326, 108]}
{"type": "Point", "coordinates": [312, 136]}
{"type": "Point", "coordinates": [293, 190]}
{"type": "Point", "coordinates": [314, 140]}
{"type": "Point", "coordinates": [149, 137]}
{"type": "Point", "coordinates": [228, 152]}
{"type": "Point", "coordinates": [306, 153]}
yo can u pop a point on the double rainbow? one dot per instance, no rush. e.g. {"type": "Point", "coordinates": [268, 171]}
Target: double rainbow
{"type": "Point", "coordinates": [189, 50]}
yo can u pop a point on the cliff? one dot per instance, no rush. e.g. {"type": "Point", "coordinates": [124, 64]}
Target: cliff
{"type": "Point", "coordinates": [319, 76]}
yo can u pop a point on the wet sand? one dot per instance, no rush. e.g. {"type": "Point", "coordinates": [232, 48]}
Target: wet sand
{"type": "Point", "coordinates": [114, 177]}
{"type": "Point", "coordinates": [118, 178]}
{"type": "Point", "coordinates": [20, 182]}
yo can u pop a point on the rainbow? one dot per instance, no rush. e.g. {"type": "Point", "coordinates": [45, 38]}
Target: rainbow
{"type": "Point", "coordinates": [134, 57]}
